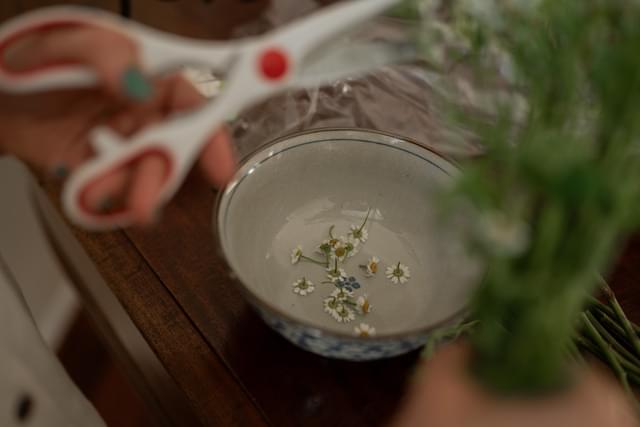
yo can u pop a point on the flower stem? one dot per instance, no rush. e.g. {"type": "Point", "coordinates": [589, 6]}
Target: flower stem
{"type": "Point", "coordinates": [331, 231]}
{"type": "Point", "coordinates": [366, 218]}
{"type": "Point", "coordinates": [611, 340]}
{"type": "Point", "coordinates": [601, 306]}
{"type": "Point", "coordinates": [611, 325]}
{"type": "Point", "coordinates": [613, 302]}
{"type": "Point", "coordinates": [606, 350]}
{"type": "Point", "coordinates": [306, 258]}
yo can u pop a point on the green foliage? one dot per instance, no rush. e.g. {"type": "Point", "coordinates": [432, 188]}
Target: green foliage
{"type": "Point", "coordinates": [559, 185]}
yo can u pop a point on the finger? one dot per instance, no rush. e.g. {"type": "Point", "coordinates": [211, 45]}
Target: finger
{"type": "Point", "coordinates": [148, 180]}
{"type": "Point", "coordinates": [218, 159]}
{"type": "Point", "coordinates": [108, 192]}
{"type": "Point", "coordinates": [128, 122]}
{"type": "Point", "coordinates": [112, 55]}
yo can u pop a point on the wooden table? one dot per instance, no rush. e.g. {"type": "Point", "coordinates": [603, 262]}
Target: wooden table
{"type": "Point", "coordinates": [229, 367]}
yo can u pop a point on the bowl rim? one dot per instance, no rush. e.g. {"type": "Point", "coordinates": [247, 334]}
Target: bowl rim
{"type": "Point", "coordinates": [264, 304]}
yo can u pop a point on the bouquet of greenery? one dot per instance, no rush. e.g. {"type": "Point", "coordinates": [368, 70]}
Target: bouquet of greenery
{"type": "Point", "coordinates": [559, 186]}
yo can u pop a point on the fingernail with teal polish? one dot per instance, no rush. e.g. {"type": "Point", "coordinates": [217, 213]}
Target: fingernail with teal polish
{"type": "Point", "coordinates": [135, 84]}
{"type": "Point", "coordinates": [60, 171]}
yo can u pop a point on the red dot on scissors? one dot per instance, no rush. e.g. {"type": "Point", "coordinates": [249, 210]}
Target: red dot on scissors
{"type": "Point", "coordinates": [274, 64]}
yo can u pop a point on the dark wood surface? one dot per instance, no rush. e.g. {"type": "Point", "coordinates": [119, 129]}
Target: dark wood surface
{"type": "Point", "coordinates": [233, 370]}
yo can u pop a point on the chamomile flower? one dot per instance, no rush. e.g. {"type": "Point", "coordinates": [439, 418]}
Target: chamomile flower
{"type": "Point", "coordinates": [343, 314]}
{"type": "Point", "coordinates": [352, 247]}
{"type": "Point", "coordinates": [364, 330]}
{"type": "Point", "coordinates": [361, 234]}
{"type": "Point", "coordinates": [341, 294]}
{"type": "Point", "coordinates": [398, 274]}
{"type": "Point", "coordinates": [340, 251]}
{"type": "Point", "coordinates": [371, 267]}
{"type": "Point", "coordinates": [331, 305]}
{"type": "Point", "coordinates": [364, 306]}
{"type": "Point", "coordinates": [332, 241]}
{"type": "Point", "coordinates": [303, 287]}
{"type": "Point", "coordinates": [296, 254]}
{"type": "Point", "coordinates": [334, 273]}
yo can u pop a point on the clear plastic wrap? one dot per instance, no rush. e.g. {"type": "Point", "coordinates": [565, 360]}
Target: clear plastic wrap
{"type": "Point", "coordinates": [403, 99]}
{"type": "Point", "coordinates": [408, 100]}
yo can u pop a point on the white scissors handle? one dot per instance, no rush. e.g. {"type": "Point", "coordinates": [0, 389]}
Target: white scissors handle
{"type": "Point", "coordinates": [257, 68]}
{"type": "Point", "coordinates": [159, 51]}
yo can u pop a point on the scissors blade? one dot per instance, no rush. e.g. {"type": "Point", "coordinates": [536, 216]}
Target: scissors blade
{"type": "Point", "coordinates": [354, 60]}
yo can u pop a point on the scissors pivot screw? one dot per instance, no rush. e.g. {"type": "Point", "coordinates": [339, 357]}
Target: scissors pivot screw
{"type": "Point", "coordinates": [274, 64]}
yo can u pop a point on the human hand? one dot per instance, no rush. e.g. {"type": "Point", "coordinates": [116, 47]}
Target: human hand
{"type": "Point", "coordinates": [444, 394]}
{"type": "Point", "coordinates": [50, 130]}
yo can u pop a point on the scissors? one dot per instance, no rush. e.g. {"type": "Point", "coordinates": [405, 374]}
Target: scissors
{"type": "Point", "coordinates": [295, 56]}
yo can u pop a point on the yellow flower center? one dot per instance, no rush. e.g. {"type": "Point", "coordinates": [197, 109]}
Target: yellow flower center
{"type": "Point", "coordinates": [365, 306]}
{"type": "Point", "coordinates": [373, 266]}
{"type": "Point", "coordinates": [364, 334]}
{"type": "Point", "coordinates": [340, 252]}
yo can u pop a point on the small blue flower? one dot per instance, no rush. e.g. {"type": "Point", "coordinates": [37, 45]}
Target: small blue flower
{"type": "Point", "coordinates": [356, 285]}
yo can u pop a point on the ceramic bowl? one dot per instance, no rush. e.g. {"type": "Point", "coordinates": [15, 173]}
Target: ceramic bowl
{"type": "Point", "coordinates": [292, 191]}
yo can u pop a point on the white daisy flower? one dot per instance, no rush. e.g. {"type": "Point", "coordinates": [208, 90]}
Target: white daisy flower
{"type": "Point", "coordinates": [332, 241]}
{"type": "Point", "coordinates": [364, 330]}
{"type": "Point", "coordinates": [303, 287]}
{"type": "Point", "coordinates": [296, 254]}
{"type": "Point", "coordinates": [340, 251]}
{"type": "Point", "coordinates": [371, 268]}
{"type": "Point", "coordinates": [398, 274]}
{"type": "Point", "coordinates": [361, 234]}
{"type": "Point", "coordinates": [331, 305]}
{"type": "Point", "coordinates": [334, 275]}
{"type": "Point", "coordinates": [364, 305]}
{"type": "Point", "coordinates": [341, 294]}
{"type": "Point", "coordinates": [344, 314]}
{"type": "Point", "coordinates": [352, 247]}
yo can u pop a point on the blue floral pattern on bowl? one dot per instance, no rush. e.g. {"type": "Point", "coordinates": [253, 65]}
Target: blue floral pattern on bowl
{"type": "Point", "coordinates": [338, 347]}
